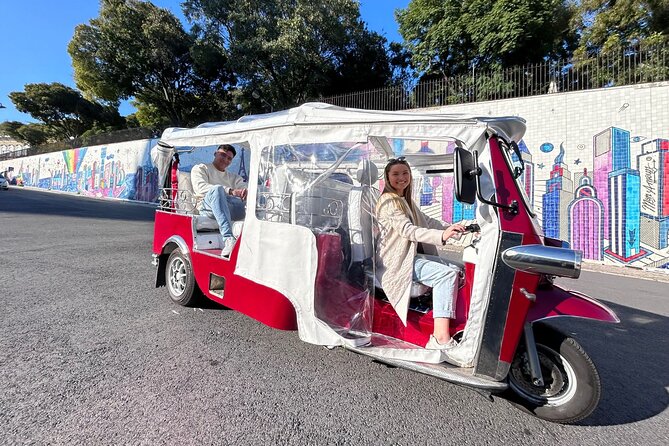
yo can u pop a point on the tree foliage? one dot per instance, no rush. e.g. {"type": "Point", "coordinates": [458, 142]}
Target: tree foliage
{"type": "Point", "coordinates": [287, 51]}
{"type": "Point", "coordinates": [134, 49]}
{"type": "Point", "coordinates": [609, 25]}
{"type": "Point", "coordinates": [33, 134]}
{"type": "Point", "coordinates": [62, 111]}
{"type": "Point", "coordinates": [448, 37]}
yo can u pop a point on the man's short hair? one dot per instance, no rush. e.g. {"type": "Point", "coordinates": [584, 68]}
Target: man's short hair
{"type": "Point", "coordinates": [227, 148]}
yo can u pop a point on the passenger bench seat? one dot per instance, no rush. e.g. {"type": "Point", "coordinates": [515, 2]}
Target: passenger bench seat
{"type": "Point", "coordinates": [202, 223]}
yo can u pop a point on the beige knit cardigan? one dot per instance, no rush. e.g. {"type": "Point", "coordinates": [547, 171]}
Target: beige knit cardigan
{"type": "Point", "coordinates": [400, 232]}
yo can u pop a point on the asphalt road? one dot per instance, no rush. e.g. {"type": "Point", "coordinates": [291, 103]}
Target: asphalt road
{"type": "Point", "coordinates": [92, 353]}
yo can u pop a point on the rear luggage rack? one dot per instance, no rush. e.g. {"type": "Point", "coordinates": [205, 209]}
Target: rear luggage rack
{"type": "Point", "coordinates": [176, 200]}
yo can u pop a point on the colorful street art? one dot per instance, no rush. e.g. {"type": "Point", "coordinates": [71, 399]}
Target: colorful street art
{"type": "Point", "coordinates": [619, 210]}
{"type": "Point", "coordinates": [121, 170]}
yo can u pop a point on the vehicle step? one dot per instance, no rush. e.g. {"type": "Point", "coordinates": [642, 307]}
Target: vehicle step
{"type": "Point", "coordinates": [448, 372]}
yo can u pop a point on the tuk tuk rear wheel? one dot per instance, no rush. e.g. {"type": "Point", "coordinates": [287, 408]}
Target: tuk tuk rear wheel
{"type": "Point", "coordinates": [572, 387]}
{"type": "Point", "coordinates": [179, 279]}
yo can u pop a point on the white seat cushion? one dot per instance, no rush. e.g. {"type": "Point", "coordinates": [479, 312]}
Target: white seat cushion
{"type": "Point", "coordinates": [203, 223]}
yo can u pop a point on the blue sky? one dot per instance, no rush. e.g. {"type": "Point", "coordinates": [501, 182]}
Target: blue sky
{"type": "Point", "coordinates": [34, 35]}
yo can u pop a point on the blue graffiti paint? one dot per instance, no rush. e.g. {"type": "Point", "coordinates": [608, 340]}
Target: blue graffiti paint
{"type": "Point", "coordinates": [546, 147]}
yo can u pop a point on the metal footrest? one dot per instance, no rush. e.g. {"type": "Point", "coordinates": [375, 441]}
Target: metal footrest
{"type": "Point", "coordinates": [448, 372]}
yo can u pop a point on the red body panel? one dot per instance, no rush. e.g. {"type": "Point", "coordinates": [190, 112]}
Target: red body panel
{"type": "Point", "coordinates": [554, 301]}
{"type": "Point", "coordinates": [256, 301]}
{"type": "Point", "coordinates": [507, 192]}
{"type": "Point", "coordinates": [341, 304]}
{"type": "Point", "coordinates": [337, 302]}
{"type": "Point", "coordinates": [420, 326]}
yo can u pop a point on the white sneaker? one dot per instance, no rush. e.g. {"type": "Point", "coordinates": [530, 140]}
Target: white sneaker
{"type": "Point", "coordinates": [228, 244]}
{"type": "Point", "coordinates": [433, 344]}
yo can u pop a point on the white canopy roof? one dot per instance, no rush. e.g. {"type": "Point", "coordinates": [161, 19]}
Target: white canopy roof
{"type": "Point", "coordinates": [465, 128]}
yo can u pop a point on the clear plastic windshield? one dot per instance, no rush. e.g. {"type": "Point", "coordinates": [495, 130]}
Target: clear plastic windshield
{"type": "Point", "coordinates": [331, 189]}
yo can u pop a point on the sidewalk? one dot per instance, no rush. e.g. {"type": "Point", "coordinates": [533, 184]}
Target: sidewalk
{"type": "Point", "coordinates": [655, 274]}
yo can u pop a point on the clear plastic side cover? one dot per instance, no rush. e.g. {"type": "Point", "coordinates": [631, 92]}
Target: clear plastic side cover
{"type": "Point", "coordinates": [329, 188]}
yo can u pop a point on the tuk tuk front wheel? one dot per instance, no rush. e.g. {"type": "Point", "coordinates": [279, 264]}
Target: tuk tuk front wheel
{"type": "Point", "coordinates": [571, 389]}
{"type": "Point", "coordinates": [180, 279]}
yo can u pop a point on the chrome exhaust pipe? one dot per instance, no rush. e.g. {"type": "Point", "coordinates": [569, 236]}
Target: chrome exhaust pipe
{"type": "Point", "coordinates": [540, 259]}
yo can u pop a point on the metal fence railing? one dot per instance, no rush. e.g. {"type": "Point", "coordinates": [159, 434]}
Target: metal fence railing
{"type": "Point", "coordinates": [635, 66]}
{"type": "Point", "coordinates": [85, 141]}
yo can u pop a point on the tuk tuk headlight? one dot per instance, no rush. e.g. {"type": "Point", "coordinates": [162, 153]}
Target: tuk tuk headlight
{"type": "Point", "coordinates": [540, 259]}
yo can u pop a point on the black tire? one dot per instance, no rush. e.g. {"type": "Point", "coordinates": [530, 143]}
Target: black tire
{"type": "Point", "coordinates": [180, 280]}
{"type": "Point", "coordinates": [572, 387]}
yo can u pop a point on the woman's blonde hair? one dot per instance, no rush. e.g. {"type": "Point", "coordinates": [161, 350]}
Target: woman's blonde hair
{"type": "Point", "coordinates": [408, 192]}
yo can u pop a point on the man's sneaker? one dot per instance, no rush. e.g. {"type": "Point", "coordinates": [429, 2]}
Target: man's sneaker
{"type": "Point", "coordinates": [228, 244]}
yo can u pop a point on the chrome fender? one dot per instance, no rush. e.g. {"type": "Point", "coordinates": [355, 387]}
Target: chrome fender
{"type": "Point", "coordinates": [554, 301]}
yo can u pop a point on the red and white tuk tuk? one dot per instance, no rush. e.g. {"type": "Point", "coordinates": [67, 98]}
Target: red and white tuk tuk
{"type": "Point", "coordinates": [304, 258]}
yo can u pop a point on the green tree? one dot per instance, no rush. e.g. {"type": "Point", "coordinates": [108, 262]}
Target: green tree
{"type": "Point", "coordinates": [134, 49]}
{"type": "Point", "coordinates": [435, 35]}
{"type": "Point", "coordinates": [10, 128]}
{"type": "Point", "coordinates": [287, 51]}
{"type": "Point", "coordinates": [63, 111]}
{"type": "Point", "coordinates": [33, 134]}
{"type": "Point", "coordinates": [610, 25]}
{"type": "Point", "coordinates": [449, 37]}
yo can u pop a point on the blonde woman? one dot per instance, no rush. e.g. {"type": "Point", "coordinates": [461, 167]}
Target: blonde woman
{"type": "Point", "coordinates": [402, 228]}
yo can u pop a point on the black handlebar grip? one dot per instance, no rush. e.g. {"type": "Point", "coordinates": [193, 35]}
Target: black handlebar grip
{"type": "Point", "coordinates": [473, 228]}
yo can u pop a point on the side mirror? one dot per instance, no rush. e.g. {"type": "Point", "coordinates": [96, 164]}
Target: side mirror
{"type": "Point", "coordinates": [465, 172]}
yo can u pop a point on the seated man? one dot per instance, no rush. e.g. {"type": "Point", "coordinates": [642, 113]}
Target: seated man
{"type": "Point", "coordinates": [220, 194]}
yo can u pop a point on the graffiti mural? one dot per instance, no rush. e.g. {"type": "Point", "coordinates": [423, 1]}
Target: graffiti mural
{"type": "Point", "coordinates": [617, 211]}
{"type": "Point", "coordinates": [121, 170]}
{"type": "Point", "coordinates": [596, 175]}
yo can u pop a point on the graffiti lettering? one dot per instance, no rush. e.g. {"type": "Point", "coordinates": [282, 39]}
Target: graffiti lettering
{"type": "Point", "coordinates": [649, 187]}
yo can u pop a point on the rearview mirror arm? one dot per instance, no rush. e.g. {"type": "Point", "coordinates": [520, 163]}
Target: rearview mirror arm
{"type": "Point", "coordinates": [511, 208]}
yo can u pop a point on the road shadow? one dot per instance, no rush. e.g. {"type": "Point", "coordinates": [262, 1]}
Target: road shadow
{"type": "Point", "coordinates": [207, 304]}
{"type": "Point", "coordinates": [19, 200]}
{"type": "Point", "coordinates": [633, 363]}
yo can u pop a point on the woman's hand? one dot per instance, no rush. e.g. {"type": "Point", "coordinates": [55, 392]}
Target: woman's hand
{"type": "Point", "coordinates": [453, 231]}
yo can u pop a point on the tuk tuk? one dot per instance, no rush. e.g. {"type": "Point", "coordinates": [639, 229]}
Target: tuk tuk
{"type": "Point", "coordinates": [305, 253]}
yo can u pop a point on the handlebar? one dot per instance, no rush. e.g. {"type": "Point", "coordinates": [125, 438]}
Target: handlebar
{"type": "Point", "coordinates": [473, 228]}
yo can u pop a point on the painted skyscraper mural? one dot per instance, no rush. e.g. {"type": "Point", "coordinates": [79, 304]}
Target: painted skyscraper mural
{"type": "Point", "coordinates": [653, 165]}
{"type": "Point", "coordinates": [586, 214]}
{"type": "Point", "coordinates": [618, 212]}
